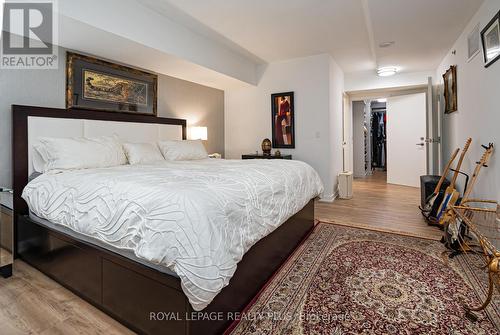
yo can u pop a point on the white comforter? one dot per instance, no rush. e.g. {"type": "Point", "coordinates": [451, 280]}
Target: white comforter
{"type": "Point", "coordinates": [198, 218]}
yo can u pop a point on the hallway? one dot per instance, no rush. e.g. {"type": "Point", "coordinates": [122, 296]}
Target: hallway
{"type": "Point", "coordinates": [379, 206]}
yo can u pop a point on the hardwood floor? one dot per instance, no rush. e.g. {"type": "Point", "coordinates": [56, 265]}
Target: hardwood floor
{"type": "Point", "coordinates": [5, 257]}
{"type": "Point", "coordinates": [31, 303]}
{"type": "Point", "coordinates": [379, 206]}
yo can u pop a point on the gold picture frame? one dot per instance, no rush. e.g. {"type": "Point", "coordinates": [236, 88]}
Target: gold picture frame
{"type": "Point", "coordinates": [450, 90]}
{"type": "Point", "coordinates": [96, 84]}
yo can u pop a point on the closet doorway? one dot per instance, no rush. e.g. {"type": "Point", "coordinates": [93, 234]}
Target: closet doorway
{"type": "Point", "coordinates": [369, 138]}
{"type": "Point", "coordinates": [378, 135]}
{"type": "Point", "coordinates": [389, 139]}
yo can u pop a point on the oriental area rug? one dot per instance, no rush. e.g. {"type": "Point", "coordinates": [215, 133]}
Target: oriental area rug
{"type": "Point", "coordinates": [344, 280]}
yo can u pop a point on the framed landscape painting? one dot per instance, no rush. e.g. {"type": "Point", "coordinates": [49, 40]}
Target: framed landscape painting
{"type": "Point", "coordinates": [283, 120]}
{"type": "Point", "coordinates": [100, 85]}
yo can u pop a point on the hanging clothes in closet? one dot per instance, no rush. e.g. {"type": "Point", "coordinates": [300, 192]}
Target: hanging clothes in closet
{"type": "Point", "coordinates": [378, 139]}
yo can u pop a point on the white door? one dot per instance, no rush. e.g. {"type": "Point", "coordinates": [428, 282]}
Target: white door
{"type": "Point", "coordinates": [406, 133]}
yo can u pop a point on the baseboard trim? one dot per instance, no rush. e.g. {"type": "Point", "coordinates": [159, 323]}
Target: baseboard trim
{"type": "Point", "coordinates": [329, 199]}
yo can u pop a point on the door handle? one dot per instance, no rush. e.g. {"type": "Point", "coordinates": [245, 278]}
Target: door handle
{"type": "Point", "coordinates": [421, 144]}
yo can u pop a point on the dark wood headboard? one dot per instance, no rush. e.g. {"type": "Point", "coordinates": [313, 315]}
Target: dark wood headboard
{"type": "Point", "coordinates": [20, 116]}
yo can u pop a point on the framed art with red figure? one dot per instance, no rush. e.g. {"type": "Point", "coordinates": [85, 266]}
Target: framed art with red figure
{"type": "Point", "coordinates": [283, 120]}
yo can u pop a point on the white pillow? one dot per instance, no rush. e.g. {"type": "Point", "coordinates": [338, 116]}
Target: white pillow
{"type": "Point", "coordinates": [142, 153]}
{"type": "Point", "coordinates": [78, 153]}
{"type": "Point", "coordinates": [39, 158]}
{"type": "Point", "coordinates": [183, 150]}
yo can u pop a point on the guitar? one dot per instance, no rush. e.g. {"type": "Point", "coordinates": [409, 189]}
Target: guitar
{"type": "Point", "coordinates": [451, 195]}
{"type": "Point", "coordinates": [429, 202]}
{"type": "Point", "coordinates": [483, 162]}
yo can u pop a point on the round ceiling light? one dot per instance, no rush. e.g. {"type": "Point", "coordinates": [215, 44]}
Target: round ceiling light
{"type": "Point", "coordinates": [387, 71]}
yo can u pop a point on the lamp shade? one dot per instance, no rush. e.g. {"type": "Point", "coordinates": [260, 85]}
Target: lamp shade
{"type": "Point", "coordinates": [199, 133]}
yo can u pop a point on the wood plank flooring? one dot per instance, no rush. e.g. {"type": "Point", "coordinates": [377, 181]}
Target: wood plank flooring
{"type": "Point", "coordinates": [5, 257]}
{"type": "Point", "coordinates": [379, 206]}
{"type": "Point", "coordinates": [31, 303]}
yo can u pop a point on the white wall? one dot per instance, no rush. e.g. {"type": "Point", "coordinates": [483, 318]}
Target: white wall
{"type": "Point", "coordinates": [360, 81]}
{"type": "Point", "coordinates": [478, 112]}
{"type": "Point", "coordinates": [336, 124]}
{"type": "Point", "coordinates": [200, 105]}
{"type": "Point", "coordinates": [318, 85]}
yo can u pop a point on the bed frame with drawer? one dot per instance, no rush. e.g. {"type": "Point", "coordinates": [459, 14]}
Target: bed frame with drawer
{"type": "Point", "coordinates": [128, 291]}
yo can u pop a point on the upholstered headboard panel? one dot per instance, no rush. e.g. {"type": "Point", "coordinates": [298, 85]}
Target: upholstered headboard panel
{"type": "Point", "coordinates": [39, 126]}
{"type": "Point", "coordinates": [30, 123]}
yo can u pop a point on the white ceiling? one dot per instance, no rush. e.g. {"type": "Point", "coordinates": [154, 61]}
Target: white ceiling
{"type": "Point", "coordinates": [349, 30]}
{"type": "Point", "coordinates": [153, 42]}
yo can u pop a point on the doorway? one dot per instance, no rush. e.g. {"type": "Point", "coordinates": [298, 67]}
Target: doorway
{"type": "Point", "coordinates": [389, 138]}
{"type": "Point", "coordinates": [369, 137]}
{"type": "Point", "coordinates": [378, 134]}
{"type": "Point", "coordinates": [376, 203]}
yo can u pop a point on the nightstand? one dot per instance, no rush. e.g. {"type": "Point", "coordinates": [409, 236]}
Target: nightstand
{"type": "Point", "coordinates": [254, 156]}
{"type": "Point", "coordinates": [6, 233]}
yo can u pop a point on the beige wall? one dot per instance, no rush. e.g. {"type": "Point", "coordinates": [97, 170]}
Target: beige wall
{"type": "Point", "coordinates": [200, 105]}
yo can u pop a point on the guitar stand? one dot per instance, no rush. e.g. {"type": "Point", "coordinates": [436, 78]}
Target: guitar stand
{"type": "Point", "coordinates": [464, 247]}
{"type": "Point", "coordinates": [465, 175]}
{"type": "Point", "coordinates": [491, 260]}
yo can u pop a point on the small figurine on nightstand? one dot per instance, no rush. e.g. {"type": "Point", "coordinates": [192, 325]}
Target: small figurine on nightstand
{"type": "Point", "coordinates": [277, 153]}
{"type": "Point", "coordinates": [215, 155]}
{"type": "Point", "coordinates": [266, 147]}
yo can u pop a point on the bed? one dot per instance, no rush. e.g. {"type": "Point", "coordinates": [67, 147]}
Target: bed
{"type": "Point", "coordinates": [180, 280]}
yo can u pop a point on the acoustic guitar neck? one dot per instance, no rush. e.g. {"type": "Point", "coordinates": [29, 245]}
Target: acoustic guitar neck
{"type": "Point", "coordinates": [460, 161]}
{"type": "Point", "coordinates": [479, 165]}
{"type": "Point", "coordinates": [446, 170]}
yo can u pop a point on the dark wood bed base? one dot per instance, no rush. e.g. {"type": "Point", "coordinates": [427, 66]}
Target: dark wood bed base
{"type": "Point", "coordinates": [129, 291]}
